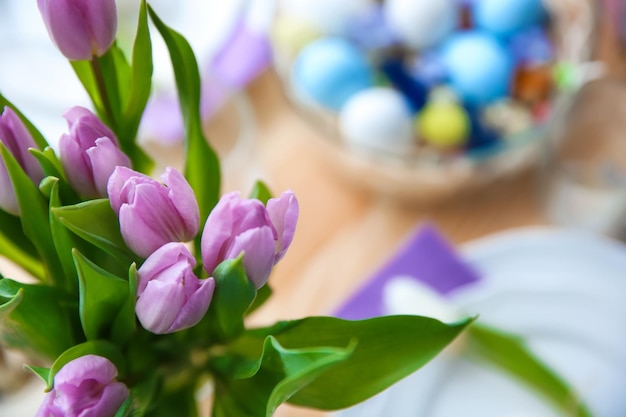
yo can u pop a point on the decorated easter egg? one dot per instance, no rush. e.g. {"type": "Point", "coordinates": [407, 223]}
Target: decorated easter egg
{"type": "Point", "coordinates": [443, 124]}
{"type": "Point", "coordinates": [330, 16]}
{"type": "Point", "coordinates": [505, 17]}
{"type": "Point", "coordinates": [479, 67]}
{"type": "Point", "coordinates": [330, 70]}
{"type": "Point", "coordinates": [414, 90]}
{"type": "Point", "coordinates": [290, 34]}
{"type": "Point", "coordinates": [422, 23]}
{"type": "Point", "coordinates": [377, 118]}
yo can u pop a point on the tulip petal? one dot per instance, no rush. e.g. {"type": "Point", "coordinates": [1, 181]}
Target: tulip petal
{"type": "Point", "coordinates": [258, 248]}
{"type": "Point", "coordinates": [196, 306]}
{"type": "Point", "coordinates": [159, 305]}
{"type": "Point", "coordinates": [182, 196]}
{"type": "Point", "coordinates": [104, 158]}
{"type": "Point", "coordinates": [217, 231]}
{"type": "Point", "coordinates": [116, 182]}
{"type": "Point", "coordinates": [74, 161]}
{"type": "Point", "coordinates": [161, 260]}
{"type": "Point", "coordinates": [67, 28]}
{"type": "Point", "coordinates": [111, 399]}
{"type": "Point", "coordinates": [102, 18]}
{"type": "Point", "coordinates": [283, 212]}
{"type": "Point", "coordinates": [139, 235]}
{"type": "Point", "coordinates": [8, 201]}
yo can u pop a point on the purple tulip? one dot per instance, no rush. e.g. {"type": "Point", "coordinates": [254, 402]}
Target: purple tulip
{"type": "Point", "coordinates": [89, 153]}
{"type": "Point", "coordinates": [246, 226]}
{"type": "Point", "coordinates": [15, 137]}
{"type": "Point", "coordinates": [84, 387]}
{"type": "Point", "coordinates": [170, 296]}
{"type": "Point", "coordinates": [80, 28]}
{"type": "Point", "coordinates": [152, 214]}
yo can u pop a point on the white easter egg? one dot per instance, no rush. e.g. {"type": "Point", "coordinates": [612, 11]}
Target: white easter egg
{"type": "Point", "coordinates": [377, 118]}
{"type": "Point", "coordinates": [422, 23]}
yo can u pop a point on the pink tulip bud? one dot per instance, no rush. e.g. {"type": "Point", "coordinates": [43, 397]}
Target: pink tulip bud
{"type": "Point", "coordinates": [152, 214]}
{"type": "Point", "coordinates": [85, 387]}
{"type": "Point", "coordinates": [89, 153]}
{"type": "Point", "coordinates": [246, 226]}
{"type": "Point", "coordinates": [15, 137]}
{"type": "Point", "coordinates": [80, 28]}
{"type": "Point", "coordinates": [170, 296]}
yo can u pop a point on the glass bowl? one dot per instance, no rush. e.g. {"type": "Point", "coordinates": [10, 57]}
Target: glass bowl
{"type": "Point", "coordinates": [513, 126]}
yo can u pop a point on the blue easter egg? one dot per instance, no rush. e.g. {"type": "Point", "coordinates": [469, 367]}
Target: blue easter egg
{"type": "Point", "coordinates": [479, 67]}
{"type": "Point", "coordinates": [505, 17]}
{"type": "Point", "coordinates": [330, 70]}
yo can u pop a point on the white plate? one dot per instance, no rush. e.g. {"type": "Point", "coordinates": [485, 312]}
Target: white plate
{"type": "Point", "coordinates": [562, 290]}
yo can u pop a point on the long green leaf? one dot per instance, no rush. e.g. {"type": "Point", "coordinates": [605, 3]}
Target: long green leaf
{"type": "Point", "coordinates": [37, 319]}
{"type": "Point", "coordinates": [202, 168]}
{"type": "Point", "coordinates": [102, 297]}
{"type": "Point", "coordinates": [387, 349]}
{"type": "Point", "coordinates": [63, 243]}
{"type": "Point", "coordinates": [509, 353]}
{"type": "Point", "coordinates": [278, 374]}
{"type": "Point", "coordinates": [140, 84]}
{"type": "Point", "coordinates": [141, 75]}
{"type": "Point", "coordinates": [96, 222]}
{"type": "Point", "coordinates": [34, 214]}
{"type": "Point", "coordinates": [86, 76]}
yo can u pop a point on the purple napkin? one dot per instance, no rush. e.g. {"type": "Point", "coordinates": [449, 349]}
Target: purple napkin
{"type": "Point", "coordinates": [427, 257]}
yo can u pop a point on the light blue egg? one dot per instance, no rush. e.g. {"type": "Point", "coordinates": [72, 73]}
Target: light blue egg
{"type": "Point", "coordinates": [505, 17]}
{"type": "Point", "coordinates": [479, 67]}
{"type": "Point", "coordinates": [330, 70]}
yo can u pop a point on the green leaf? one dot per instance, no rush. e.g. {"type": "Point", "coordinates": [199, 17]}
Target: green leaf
{"type": "Point", "coordinates": [102, 348]}
{"type": "Point", "coordinates": [38, 320]}
{"type": "Point", "coordinates": [262, 295]}
{"type": "Point", "coordinates": [42, 373]}
{"type": "Point", "coordinates": [16, 247]}
{"type": "Point", "coordinates": [202, 168]}
{"type": "Point", "coordinates": [63, 243]}
{"type": "Point", "coordinates": [87, 78]}
{"type": "Point", "coordinates": [34, 214]}
{"type": "Point", "coordinates": [125, 324]}
{"type": "Point", "coordinates": [140, 84]}
{"type": "Point", "coordinates": [35, 133]}
{"type": "Point", "coordinates": [261, 192]}
{"type": "Point", "coordinates": [509, 353]}
{"type": "Point", "coordinates": [141, 76]}
{"type": "Point", "coordinates": [52, 168]}
{"type": "Point", "coordinates": [388, 349]}
{"type": "Point", "coordinates": [233, 295]}
{"type": "Point", "coordinates": [96, 222]}
{"type": "Point", "coordinates": [102, 296]}
{"type": "Point", "coordinates": [277, 375]}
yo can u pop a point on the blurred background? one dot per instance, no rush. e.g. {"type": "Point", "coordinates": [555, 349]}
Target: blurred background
{"type": "Point", "coordinates": [476, 117]}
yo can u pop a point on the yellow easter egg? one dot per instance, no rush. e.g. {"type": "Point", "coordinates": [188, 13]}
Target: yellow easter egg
{"type": "Point", "coordinates": [443, 124]}
{"type": "Point", "coordinates": [290, 34]}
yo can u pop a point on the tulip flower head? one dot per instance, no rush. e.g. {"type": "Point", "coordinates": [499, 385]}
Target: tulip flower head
{"type": "Point", "coordinates": [169, 295]}
{"type": "Point", "coordinates": [152, 214]}
{"type": "Point", "coordinates": [80, 28]}
{"type": "Point", "coordinates": [89, 153]}
{"type": "Point", "coordinates": [262, 233]}
{"type": "Point", "coordinates": [85, 387]}
{"type": "Point", "coordinates": [15, 137]}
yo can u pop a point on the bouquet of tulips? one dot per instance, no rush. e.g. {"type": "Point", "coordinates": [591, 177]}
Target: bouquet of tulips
{"type": "Point", "coordinates": [141, 286]}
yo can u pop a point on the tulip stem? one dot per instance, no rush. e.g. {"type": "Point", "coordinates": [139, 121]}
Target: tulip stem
{"type": "Point", "coordinates": [96, 67]}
